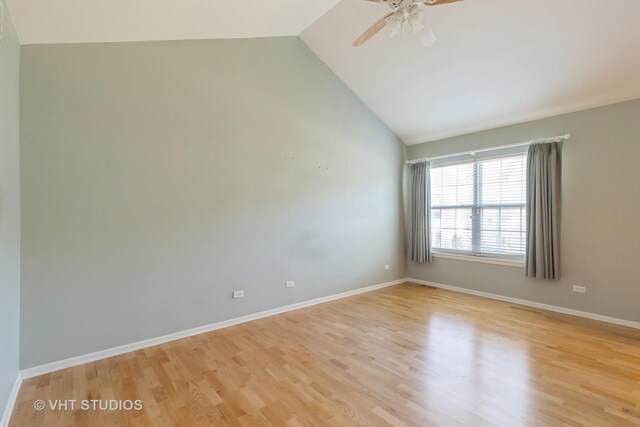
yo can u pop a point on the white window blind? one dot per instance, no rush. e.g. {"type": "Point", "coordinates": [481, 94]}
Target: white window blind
{"type": "Point", "coordinates": [478, 204]}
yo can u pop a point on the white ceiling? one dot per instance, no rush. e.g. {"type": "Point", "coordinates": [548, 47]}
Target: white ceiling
{"type": "Point", "coordinates": [81, 21]}
{"type": "Point", "coordinates": [496, 62]}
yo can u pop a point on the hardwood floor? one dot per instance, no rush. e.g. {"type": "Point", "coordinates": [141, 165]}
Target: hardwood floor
{"type": "Point", "coordinates": [406, 355]}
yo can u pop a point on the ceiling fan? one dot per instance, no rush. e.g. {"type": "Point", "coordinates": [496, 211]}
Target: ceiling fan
{"type": "Point", "coordinates": [405, 13]}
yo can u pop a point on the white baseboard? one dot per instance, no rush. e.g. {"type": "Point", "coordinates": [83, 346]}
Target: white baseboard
{"type": "Point", "coordinates": [563, 310]}
{"type": "Point", "coordinates": [127, 348]}
{"type": "Point", "coordinates": [8, 410]}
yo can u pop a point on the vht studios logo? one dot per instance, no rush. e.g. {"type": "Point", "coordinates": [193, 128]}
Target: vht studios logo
{"type": "Point", "coordinates": [88, 405]}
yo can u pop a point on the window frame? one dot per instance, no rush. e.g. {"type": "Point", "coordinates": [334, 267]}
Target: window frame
{"type": "Point", "coordinates": [475, 254]}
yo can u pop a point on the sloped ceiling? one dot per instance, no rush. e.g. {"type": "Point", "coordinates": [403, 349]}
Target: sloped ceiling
{"type": "Point", "coordinates": [496, 62]}
{"type": "Point", "coordinates": [82, 21]}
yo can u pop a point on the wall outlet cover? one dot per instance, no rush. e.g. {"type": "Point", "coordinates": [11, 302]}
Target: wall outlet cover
{"type": "Point", "coordinates": [580, 289]}
{"type": "Point", "coordinates": [238, 294]}
{"type": "Point", "coordinates": [289, 284]}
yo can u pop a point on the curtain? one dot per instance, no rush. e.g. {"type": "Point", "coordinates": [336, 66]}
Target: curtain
{"type": "Point", "coordinates": [420, 213]}
{"type": "Point", "coordinates": [543, 211]}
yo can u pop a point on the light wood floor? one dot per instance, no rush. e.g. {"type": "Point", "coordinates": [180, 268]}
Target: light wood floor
{"type": "Point", "coordinates": [405, 355]}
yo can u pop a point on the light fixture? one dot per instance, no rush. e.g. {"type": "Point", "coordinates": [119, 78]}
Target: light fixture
{"type": "Point", "coordinates": [411, 15]}
{"type": "Point", "coordinates": [395, 22]}
{"type": "Point", "coordinates": [416, 19]}
{"type": "Point", "coordinates": [406, 16]}
{"type": "Point", "coordinates": [427, 36]}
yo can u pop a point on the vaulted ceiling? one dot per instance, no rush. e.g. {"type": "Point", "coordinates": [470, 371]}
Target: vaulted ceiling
{"type": "Point", "coordinates": [82, 21]}
{"type": "Point", "coordinates": [496, 62]}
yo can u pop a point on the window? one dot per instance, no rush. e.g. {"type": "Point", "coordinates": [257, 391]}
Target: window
{"type": "Point", "coordinates": [478, 204]}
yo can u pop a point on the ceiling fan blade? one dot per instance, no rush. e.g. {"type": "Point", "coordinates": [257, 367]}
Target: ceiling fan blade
{"type": "Point", "coordinates": [372, 31]}
{"type": "Point", "coordinates": [439, 2]}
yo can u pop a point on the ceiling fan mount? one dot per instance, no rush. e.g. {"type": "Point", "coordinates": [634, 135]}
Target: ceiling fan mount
{"type": "Point", "coordinates": [405, 13]}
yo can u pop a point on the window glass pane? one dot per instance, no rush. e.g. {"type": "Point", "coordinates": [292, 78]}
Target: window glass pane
{"type": "Point", "coordinates": [489, 241]}
{"type": "Point", "coordinates": [503, 181]}
{"type": "Point", "coordinates": [451, 228]}
{"type": "Point", "coordinates": [511, 243]}
{"type": "Point", "coordinates": [452, 185]}
{"type": "Point", "coordinates": [502, 186]}
{"type": "Point", "coordinates": [436, 187]}
{"type": "Point", "coordinates": [459, 240]}
{"type": "Point", "coordinates": [463, 240]}
{"type": "Point", "coordinates": [492, 188]}
{"type": "Point", "coordinates": [448, 218]}
{"type": "Point", "coordinates": [490, 194]}
{"type": "Point", "coordinates": [435, 218]}
{"type": "Point", "coordinates": [510, 219]}
{"type": "Point", "coordinates": [502, 242]}
{"type": "Point", "coordinates": [490, 219]}
{"type": "Point", "coordinates": [447, 239]}
{"type": "Point", "coordinates": [464, 219]}
{"type": "Point", "coordinates": [436, 238]}
{"type": "Point", "coordinates": [465, 194]}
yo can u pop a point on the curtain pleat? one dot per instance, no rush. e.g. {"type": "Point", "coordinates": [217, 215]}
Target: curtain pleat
{"type": "Point", "coordinates": [543, 211]}
{"type": "Point", "coordinates": [420, 213]}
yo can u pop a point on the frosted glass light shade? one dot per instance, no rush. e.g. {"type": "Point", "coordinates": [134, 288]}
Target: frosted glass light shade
{"type": "Point", "coordinates": [427, 36]}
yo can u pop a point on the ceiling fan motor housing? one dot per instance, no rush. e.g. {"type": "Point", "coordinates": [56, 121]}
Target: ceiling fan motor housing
{"type": "Point", "coordinates": [405, 4]}
{"type": "Point", "coordinates": [405, 14]}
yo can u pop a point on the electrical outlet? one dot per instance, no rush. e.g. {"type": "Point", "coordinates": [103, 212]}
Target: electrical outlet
{"type": "Point", "coordinates": [580, 289]}
{"type": "Point", "coordinates": [387, 267]}
{"type": "Point", "coordinates": [290, 284]}
{"type": "Point", "coordinates": [238, 294]}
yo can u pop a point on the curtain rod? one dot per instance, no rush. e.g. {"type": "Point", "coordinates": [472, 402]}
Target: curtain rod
{"type": "Point", "coordinates": [472, 152]}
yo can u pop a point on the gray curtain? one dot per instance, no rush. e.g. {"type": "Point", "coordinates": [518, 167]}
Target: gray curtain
{"type": "Point", "coordinates": [420, 213]}
{"type": "Point", "coordinates": [543, 211]}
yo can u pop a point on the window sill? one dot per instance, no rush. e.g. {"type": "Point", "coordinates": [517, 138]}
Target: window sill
{"type": "Point", "coordinates": [485, 260]}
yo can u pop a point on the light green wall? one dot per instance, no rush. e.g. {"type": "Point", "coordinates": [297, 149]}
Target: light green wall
{"type": "Point", "coordinates": [158, 177]}
{"type": "Point", "coordinates": [9, 211]}
{"type": "Point", "coordinates": [600, 244]}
